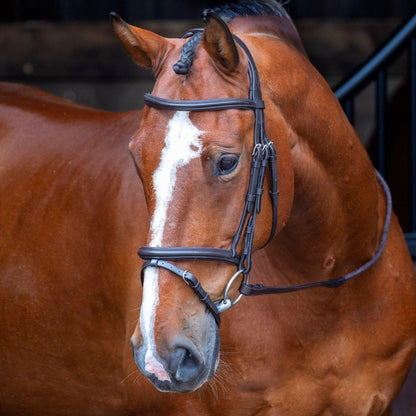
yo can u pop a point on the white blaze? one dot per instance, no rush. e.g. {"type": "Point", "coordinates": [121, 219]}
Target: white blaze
{"type": "Point", "coordinates": [182, 144]}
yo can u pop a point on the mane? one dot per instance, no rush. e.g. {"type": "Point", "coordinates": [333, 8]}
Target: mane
{"type": "Point", "coordinates": [228, 12]}
{"type": "Point", "coordinates": [243, 8]}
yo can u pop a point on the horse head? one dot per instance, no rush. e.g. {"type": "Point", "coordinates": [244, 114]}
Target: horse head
{"type": "Point", "coordinates": [195, 167]}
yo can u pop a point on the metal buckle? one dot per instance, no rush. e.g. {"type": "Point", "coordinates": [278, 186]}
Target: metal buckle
{"type": "Point", "coordinates": [226, 303]}
{"type": "Point", "coordinates": [256, 148]}
{"type": "Point", "coordinates": [184, 277]}
{"type": "Point", "coordinates": [267, 146]}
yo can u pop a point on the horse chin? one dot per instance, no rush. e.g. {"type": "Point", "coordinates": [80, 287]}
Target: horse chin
{"type": "Point", "coordinates": [176, 387]}
{"type": "Point", "coordinates": [163, 371]}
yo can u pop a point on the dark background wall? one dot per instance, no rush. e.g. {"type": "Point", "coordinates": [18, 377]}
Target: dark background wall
{"type": "Point", "coordinates": [67, 46]}
{"type": "Point", "coordinates": [69, 10]}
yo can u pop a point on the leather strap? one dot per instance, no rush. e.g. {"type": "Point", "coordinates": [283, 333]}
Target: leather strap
{"type": "Point", "coordinates": [190, 280]}
{"type": "Point", "coordinates": [259, 289]}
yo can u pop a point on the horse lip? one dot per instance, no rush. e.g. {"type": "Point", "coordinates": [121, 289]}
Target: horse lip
{"type": "Point", "coordinates": [172, 386]}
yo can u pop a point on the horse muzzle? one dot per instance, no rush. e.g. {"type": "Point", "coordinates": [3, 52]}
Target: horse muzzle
{"type": "Point", "coordinates": [181, 366]}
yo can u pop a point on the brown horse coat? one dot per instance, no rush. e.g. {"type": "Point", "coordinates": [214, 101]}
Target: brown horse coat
{"type": "Point", "coordinates": [69, 194]}
{"type": "Point", "coordinates": [72, 215]}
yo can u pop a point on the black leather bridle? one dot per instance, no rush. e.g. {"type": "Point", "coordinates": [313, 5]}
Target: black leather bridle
{"type": "Point", "coordinates": [263, 158]}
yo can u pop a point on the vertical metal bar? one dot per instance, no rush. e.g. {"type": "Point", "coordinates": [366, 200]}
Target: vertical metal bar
{"type": "Point", "coordinates": [381, 120]}
{"type": "Point", "coordinates": [349, 109]}
{"type": "Point", "coordinates": [412, 69]}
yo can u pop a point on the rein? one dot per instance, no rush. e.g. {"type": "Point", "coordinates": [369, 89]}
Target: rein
{"type": "Point", "coordinates": [263, 158]}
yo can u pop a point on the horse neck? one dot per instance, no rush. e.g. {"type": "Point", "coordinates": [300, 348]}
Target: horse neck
{"type": "Point", "coordinates": [280, 27]}
{"type": "Point", "coordinates": [338, 210]}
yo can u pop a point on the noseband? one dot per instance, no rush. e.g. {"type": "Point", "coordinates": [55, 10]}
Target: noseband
{"type": "Point", "coordinates": [263, 158]}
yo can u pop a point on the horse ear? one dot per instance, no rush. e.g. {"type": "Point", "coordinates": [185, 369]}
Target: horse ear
{"type": "Point", "coordinates": [219, 43]}
{"type": "Point", "coordinates": [143, 46]}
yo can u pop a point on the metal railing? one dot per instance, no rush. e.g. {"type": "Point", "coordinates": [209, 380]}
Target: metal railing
{"type": "Point", "coordinates": [376, 70]}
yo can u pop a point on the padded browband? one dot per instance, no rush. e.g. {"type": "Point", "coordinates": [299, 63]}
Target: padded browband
{"type": "Point", "coordinates": [202, 105]}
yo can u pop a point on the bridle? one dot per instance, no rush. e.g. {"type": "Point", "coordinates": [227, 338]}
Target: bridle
{"type": "Point", "coordinates": [263, 158]}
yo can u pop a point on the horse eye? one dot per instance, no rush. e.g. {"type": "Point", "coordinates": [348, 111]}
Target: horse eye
{"type": "Point", "coordinates": [226, 164]}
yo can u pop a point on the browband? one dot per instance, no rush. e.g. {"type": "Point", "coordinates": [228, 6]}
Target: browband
{"type": "Point", "coordinates": [202, 105]}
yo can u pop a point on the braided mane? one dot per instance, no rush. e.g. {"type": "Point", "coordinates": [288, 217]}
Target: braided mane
{"type": "Point", "coordinates": [227, 12]}
{"type": "Point", "coordinates": [186, 60]}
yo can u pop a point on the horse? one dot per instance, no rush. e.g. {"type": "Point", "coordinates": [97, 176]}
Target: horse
{"type": "Point", "coordinates": [334, 333]}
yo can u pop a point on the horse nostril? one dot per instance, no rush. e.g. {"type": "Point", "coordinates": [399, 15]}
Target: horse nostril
{"type": "Point", "coordinates": [184, 364]}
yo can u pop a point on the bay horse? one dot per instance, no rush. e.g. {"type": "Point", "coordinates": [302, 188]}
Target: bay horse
{"type": "Point", "coordinates": [73, 214]}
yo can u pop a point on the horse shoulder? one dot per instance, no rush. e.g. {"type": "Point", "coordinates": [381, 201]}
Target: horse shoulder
{"type": "Point", "coordinates": [71, 215]}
